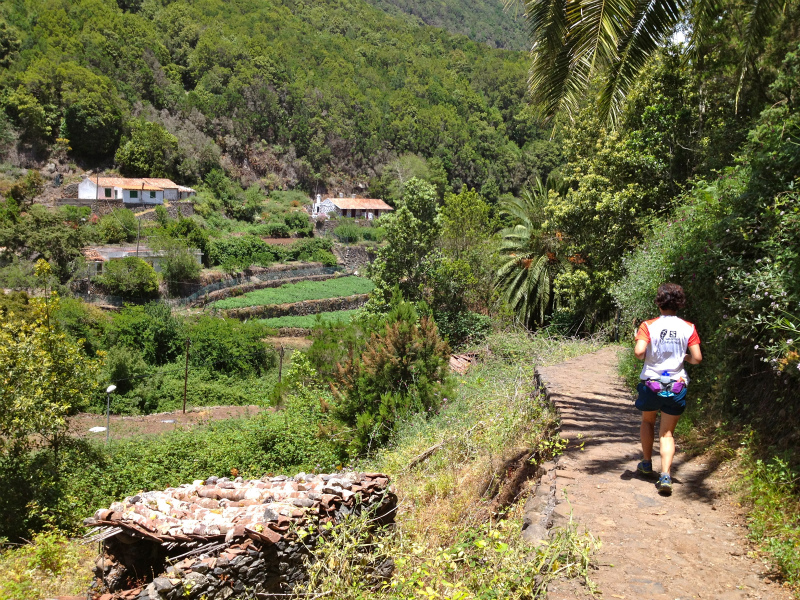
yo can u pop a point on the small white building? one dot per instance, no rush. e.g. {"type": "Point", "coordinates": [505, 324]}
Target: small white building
{"type": "Point", "coordinates": [132, 191]}
{"type": "Point", "coordinates": [97, 256]}
{"type": "Point", "coordinates": [357, 208]}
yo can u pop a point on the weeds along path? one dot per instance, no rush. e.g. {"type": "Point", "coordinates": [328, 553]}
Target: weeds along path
{"type": "Point", "coordinates": [689, 545]}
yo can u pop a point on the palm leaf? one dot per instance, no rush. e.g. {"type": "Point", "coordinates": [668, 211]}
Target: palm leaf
{"type": "Point", "coordinates": [761, 15]}
{"type": "Point", "coordinates": [652, 21]}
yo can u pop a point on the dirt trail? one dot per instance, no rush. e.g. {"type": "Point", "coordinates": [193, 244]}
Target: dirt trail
{"type": "Point", "coordinates": [689, 545]}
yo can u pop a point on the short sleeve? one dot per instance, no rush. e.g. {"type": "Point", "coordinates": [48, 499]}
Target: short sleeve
{"type": "Point", "coordinates": [643, 333]}
{"type": "Point", "coordinates": [694, 339]}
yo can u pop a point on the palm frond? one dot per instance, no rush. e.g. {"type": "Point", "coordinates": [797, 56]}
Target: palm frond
{"type": "Point", "coordinates": [761, 15]}
{"type": "Point", "coordinates": [650, 24]}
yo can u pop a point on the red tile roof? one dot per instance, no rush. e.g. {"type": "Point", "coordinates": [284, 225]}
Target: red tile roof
{"type": "Point", "coordinates": [360, 204]}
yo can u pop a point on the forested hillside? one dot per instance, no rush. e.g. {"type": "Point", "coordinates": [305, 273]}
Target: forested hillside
{"type": "Point", "coordinates": [280, 93]}
{"type": "Point", "coordinates": [485, 21]}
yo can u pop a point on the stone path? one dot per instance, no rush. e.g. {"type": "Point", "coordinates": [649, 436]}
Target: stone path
{"type": "Point", "coordinates": [690, 545]}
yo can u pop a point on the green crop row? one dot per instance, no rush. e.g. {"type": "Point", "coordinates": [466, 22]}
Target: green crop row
{"type": "Point", "coordinates": [297, 292]}
{"type": "Point", "coordinates": [309, 321]}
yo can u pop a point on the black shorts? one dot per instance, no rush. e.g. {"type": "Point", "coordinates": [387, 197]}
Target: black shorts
{"type": "Point", "coordinates": [648, 400]}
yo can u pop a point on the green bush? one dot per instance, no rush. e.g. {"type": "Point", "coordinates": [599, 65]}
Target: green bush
{"type": "Point", "coordinates": [129, 277]}
{"type": "Point", "coordinates": [297, 220]}
{"type": "Point", "coordinates": [123, 366]}
{"type": "Point", "coordinates": [348, 233]}
{"type": "Point", "coordinates": [151, 329]}
{"type": "Point", "coordinates": [275, 230]}
{"type": "Point", "coordinates": [230, 346]}
{"type": "Point", "coordinates": [178, 264]}
{"type": "Point", "coordinates": [403, 371]}
{"type": "Point", "coordinates": [118, 226]}
{"type": "Point", "coordinates": [239, 253]}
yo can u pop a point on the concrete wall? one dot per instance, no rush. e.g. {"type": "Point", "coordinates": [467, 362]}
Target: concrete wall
{"type": "Point", "coordinates": [143, 197]}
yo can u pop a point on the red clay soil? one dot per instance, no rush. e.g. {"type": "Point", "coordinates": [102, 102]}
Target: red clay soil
{"type": "Point", "coordinates": [125, 427]}
{"type": "Point", "coordinates": [690, 545]}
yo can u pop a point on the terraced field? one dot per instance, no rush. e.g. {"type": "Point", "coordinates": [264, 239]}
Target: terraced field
{"type": "Point", "coordinates": [308, 321]}
{"type": "Point", "coordinates": [297, 292]}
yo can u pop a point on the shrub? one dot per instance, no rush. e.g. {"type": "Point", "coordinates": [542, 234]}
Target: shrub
{"type": "Point", "coordinates": [118, 226]}
{"type": "Point", "coordinates": [348, 233]}
{"type": "Point", "coordinates": [276, 230]}
{"type": "Point", "coordinates": [230, 346]}
{"type": "Point", "coordinates": [129, 277]}
{"type": "Point", "coordinates": [402, 371]}
{"type": "Point", "coordinates": [238, 253]}
{"type": "Point", "coordinates": [178, 264]}
{"type": "Point", "coordinates": [123, 367]}
{"type": "Point", "coordinates": [297, 220]}
{"type": "Point", "coordinates": [150, 328]}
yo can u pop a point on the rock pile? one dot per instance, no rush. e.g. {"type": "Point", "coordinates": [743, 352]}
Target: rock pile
{"type": "Point", "coordinates": [219, 537]}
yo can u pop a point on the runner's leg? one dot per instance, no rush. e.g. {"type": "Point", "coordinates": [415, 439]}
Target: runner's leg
{"type": "Point", "coordinates": [648, 432]}
{"type": "Point", "coordinates": [667, 442]}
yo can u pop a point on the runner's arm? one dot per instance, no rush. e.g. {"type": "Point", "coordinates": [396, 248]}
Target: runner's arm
{"type": "Point", "coordinates": [640, 349]}
{"type": "Point", "coordinates": [694, 356]}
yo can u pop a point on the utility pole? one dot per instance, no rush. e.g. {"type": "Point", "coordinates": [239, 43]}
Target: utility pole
{"type": "Point", "coordinates": [280, 365]}
{"type": "Point", "coordinates": [138, 232]}
{"type": "Point", "coordinates": [186, 374]}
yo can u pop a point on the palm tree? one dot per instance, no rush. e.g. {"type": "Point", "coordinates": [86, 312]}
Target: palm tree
{"type": "Point", "coordinates": [572, 41]}
{"type": "Point", "coordinates": [526, 278]}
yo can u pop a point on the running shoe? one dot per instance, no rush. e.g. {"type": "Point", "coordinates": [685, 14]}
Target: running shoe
{"type": "Point", "coordinates": [645, 467]}
{"type": "Point", "coordinates": [664, 485]}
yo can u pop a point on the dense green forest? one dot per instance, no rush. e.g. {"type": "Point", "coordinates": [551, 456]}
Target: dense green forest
{"type": "Point", "coordinates": [491, 23]}
{"type": "Point", "coordinates": [284, 94]}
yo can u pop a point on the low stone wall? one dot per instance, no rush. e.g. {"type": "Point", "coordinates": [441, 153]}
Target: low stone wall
{"type": "Point", "coordinates": [175, 210]}
{"type": "Point", "coordinates": [353, 258]}
{"type": "Point", "coordinates": [306, 307]}
{"type": "Point", "coordinates": [218, 538]}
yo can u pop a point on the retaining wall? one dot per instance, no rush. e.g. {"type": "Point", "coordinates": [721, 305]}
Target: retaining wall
{"type": "Point", "coordinates": [306, 307]}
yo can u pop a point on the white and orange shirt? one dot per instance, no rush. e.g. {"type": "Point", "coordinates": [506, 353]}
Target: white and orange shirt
{"type": "Point", "coordinates": [667, 337]}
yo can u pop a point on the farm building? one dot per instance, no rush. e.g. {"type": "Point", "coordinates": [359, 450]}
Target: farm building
{"type": "Point", "coordinates": [97, 256]}
{"type": "Point", "coordinates": [132, 191]}
{"type": "Point", "coordinates": [364, 208]}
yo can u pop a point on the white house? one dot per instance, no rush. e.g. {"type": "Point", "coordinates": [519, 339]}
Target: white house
{"type": "Point", "coordinates": [97, 256]}
{"type": "Point", "coordinates": [132, 191]}
{"type": "Point", "coordinates": [364, 208]}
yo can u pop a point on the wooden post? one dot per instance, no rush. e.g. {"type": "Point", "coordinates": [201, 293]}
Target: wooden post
{"type": "Point", "coordinates": [138, 232]}
{"type": "Point", "coordinates": [186, 374]}
{"type": "Point", "coordinates": [280, 364]}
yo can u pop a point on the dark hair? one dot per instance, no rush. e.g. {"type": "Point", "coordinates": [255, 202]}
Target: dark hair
{"type": "Point", "coordinates": [670, 296]}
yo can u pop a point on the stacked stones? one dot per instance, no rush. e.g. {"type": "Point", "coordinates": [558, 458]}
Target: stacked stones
{"type": "Point", "coordinates": [219, 537]}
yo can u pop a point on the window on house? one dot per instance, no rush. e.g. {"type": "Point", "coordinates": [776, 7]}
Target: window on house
{"type": "Point", "coordinates": [108, 192]}
{"type": "Point", "coordinates": [134, 194]}
{"type": "Point", "coordinates": [152, 194]}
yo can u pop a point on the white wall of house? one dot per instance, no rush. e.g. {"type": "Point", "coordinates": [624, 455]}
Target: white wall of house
{"type": "Point", "coordinates": [143, 196]}
{"type": "Point", "coordinates": [325, 207]}
{"type": "Point", "coordinates": [87, 190]}
{"type": "Point", "coordinates": [170, 194]}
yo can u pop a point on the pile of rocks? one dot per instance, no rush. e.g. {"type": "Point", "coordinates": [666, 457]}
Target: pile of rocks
{"type": "Point", "coordinates": [219, 537]}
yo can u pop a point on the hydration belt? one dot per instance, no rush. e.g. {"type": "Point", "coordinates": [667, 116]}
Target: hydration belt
{"type": "Point", "coordinates": [665, 387]}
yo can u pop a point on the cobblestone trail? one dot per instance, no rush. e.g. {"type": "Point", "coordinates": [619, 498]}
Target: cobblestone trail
{"type": "Point", "coordinates": [690, 545]}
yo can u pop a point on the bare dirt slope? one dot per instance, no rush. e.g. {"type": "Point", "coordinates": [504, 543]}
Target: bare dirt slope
{"type": "Point", "coordinates": [689, 545]}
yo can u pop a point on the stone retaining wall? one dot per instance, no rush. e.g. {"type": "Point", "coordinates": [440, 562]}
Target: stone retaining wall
{"type": "Point", "coordinates": [218, 538]}
{"type": "Point", "coordinates": [175, 210]}
{"type": "Point", "coordinates": [306, 307]}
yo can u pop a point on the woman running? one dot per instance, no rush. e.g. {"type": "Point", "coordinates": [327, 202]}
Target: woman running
{"type": "Point", "coordinates": [662, 344]}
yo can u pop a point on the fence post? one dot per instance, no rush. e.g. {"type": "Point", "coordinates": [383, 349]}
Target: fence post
{"type": "Point", "coordinates": [186, 374]}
